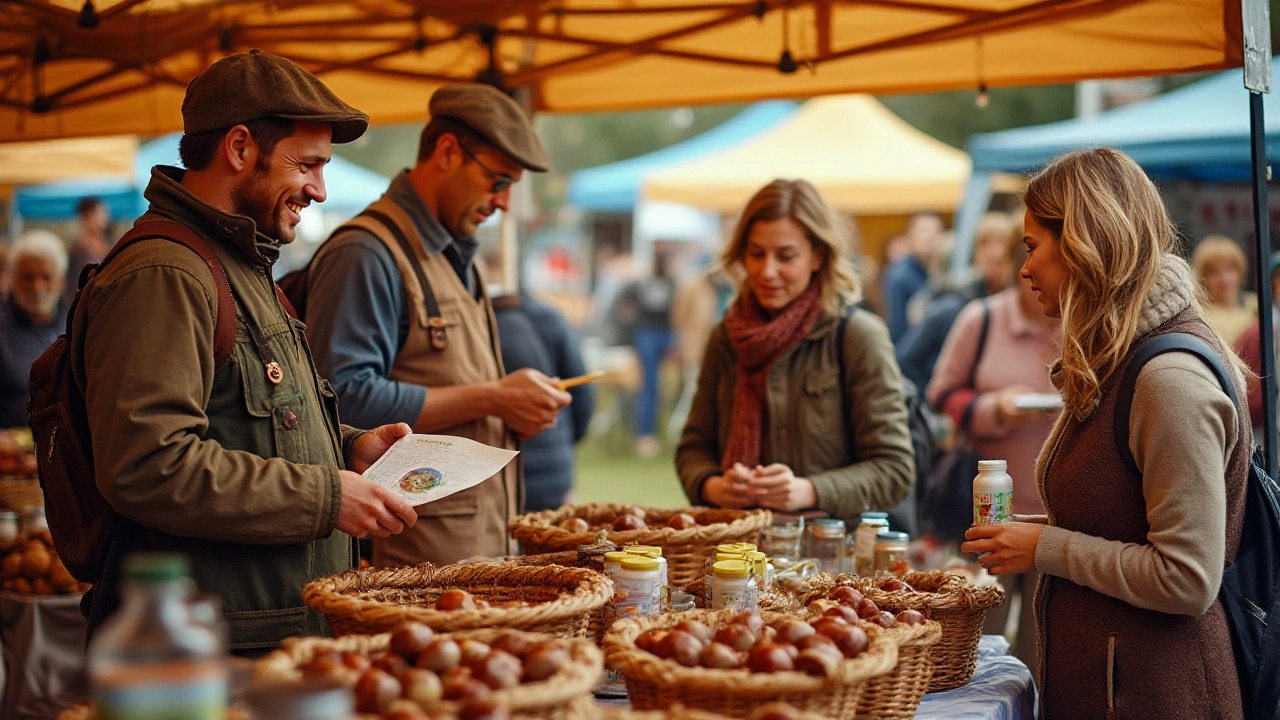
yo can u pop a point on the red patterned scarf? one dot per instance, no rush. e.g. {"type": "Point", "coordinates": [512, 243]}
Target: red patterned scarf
{"type": "Point", "coordinates": [758, 341]}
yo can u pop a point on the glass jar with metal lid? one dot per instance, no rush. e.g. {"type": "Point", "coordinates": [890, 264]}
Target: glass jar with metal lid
{"type": "Point", "coordinates": [891, 553]}
{"type": "Point", "coordinates": [826, 544]}
{"type": "Point", "coordinates": [862, 560]}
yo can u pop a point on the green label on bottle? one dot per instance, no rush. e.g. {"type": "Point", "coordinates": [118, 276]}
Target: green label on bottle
{"type": "Point", "coordinates": [185, 691]}
{"type": "Point", "coordinates": [992, 508]}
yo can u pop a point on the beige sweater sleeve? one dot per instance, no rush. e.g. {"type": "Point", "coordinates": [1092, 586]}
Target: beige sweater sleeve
{"type": "Point", "coordinates": [1182, 429]}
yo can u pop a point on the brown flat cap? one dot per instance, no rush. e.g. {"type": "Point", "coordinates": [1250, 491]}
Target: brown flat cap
{"type": "Point", "coordinates": [252, 85]}
{"type": "Point", "coordinates": [496, 117]}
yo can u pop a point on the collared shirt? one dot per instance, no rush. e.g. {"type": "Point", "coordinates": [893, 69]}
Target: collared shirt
{"type": "Point", "coordinates": [358, 313]}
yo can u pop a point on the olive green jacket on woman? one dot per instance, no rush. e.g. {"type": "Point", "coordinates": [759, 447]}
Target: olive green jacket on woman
{"type": "Point", "coordinates": [237, 472]}
{"type": "Point", "coordinates": [843, 429]}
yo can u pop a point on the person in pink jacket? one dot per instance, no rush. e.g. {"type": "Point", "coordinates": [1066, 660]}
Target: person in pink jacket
{"type": "Point", "coordinates": [1020, 343]}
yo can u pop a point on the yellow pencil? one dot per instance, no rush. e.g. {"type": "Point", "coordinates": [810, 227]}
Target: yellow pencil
{"type": "Point", "coordinates": [581, 380]}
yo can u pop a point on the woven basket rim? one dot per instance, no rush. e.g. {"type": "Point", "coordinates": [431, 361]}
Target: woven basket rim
{"type": "Point", "coordinates": [583, 591]}
{"type": "Point", "coordinates": [576, 678]}
{"type": "Point", "coordinates": [620, 651]}
{"type": "Point", "coordinates": [540, 529]}
{"type": "Point", "coordinates": [953, 592]}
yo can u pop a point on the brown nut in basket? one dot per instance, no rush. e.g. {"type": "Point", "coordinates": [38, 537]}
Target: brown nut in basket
{"type": "Point", "coordinates": [655, 683]}
{"type": "Point", "coordinates": [957, 604]}
{"type": "Point", "coordinates": [686, 550]}
{"type": "Point", "coordinates": [561, 599]}
{"type": "Point", "coordinates": [897, 694]}
{"type": "Point", "coordinates": [549, 699]}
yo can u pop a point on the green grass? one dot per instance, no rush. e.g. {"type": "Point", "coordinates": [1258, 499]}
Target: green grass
{"type": "Point", "coordinates": [609, 473]}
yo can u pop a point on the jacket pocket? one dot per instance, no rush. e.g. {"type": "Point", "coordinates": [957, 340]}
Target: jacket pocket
{"type": "Point", "coordinates": [1111, 676]}
{"type": "Point", "coordinates": [822, 423]}
{"type": "Point", "coordinates": [279, 405]}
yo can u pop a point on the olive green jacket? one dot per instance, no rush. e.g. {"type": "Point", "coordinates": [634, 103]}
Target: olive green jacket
{"type": "Point", "coordinates": [857, 462]}
{"type": "Point", "coordinates": [218, 463]}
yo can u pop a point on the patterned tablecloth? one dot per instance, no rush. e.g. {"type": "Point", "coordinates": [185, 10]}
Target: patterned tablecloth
{"type": "Point", "coordinates": [1001, 689]}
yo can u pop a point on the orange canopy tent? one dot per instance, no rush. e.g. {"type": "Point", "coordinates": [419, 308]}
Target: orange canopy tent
{"type": "Point", "coordinates": [120, 66]}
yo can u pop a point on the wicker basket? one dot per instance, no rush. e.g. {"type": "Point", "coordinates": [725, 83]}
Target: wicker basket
{"type": "Point", "coordinates": [548, 699]}
{"type": "Point", "coordinates": [675, 712]}
{"type": "Point", "coordinates": [958, 605]}
{"type": "Point", "coordinates": [589, 557]}
{"type": "Point", "coordinates": [374, 601]}
{"type": "Point", "coordinates": [20, 494]}
{"type": "Point", "coordinates": [686, 550]}
{"type": "Point", "coordinates": [897, 694]}
{"type": "Point", "coordinates": [655, 683]}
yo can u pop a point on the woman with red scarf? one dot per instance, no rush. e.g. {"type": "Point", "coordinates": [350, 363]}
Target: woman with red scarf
{"type": "Point", "coordinates": [792, 413]}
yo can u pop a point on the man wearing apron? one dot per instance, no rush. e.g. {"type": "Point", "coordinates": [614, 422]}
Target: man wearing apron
{"type": "Point", "coordinates": [399, 318]}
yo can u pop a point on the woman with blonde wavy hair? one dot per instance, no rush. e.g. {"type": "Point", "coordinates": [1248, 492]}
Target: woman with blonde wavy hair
{"type": "Point", "coordinates": [799, 403]}
{"type": "Point", "coordinates": [1127, 612]}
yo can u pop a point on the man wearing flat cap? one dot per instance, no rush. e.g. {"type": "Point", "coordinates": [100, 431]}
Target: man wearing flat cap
{"type": "Point", "coordinates": [212, 433]}
{"type": "Point", "coordinates": [399, 317]}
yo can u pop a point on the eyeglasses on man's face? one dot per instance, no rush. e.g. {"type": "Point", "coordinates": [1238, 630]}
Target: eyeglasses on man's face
{"type": "Point", "coordinates": [500, 182]}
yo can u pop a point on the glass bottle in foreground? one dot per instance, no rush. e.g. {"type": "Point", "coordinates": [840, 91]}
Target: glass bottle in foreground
{"type": "Point", "coordinates": [151, 660]}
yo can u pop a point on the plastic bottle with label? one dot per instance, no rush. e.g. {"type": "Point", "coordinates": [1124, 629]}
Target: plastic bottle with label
{"type": "Point", "coordinates": [864, 542]}
{"type": "Point", "coordinates": [639, 583]}
{"type": "Point", "coordinates": [655, 552]}
{"type": "Point", "coordinates": [992, 493]}
{"type": "Point", "coordinates": [151, 661]}
{"type": "Point", "coordinates": [730, 587]}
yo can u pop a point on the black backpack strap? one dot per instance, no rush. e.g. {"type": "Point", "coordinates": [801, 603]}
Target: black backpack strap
{"type": "Point", "coordinates": [435, 321]}
{"type": "Point", "coordinates": [1159, 345]}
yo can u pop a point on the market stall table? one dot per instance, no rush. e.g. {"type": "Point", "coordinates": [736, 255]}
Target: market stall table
{"type": "Point", "coordinates": [1001, 689]}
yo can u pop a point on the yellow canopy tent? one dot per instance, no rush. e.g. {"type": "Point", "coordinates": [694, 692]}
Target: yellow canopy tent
{"type": "Point", "coordinates": [31, 163]}
{"type": "Point", "coordinates": [120, 66]}
{"type": "Point", "coordinates": [862, 158]}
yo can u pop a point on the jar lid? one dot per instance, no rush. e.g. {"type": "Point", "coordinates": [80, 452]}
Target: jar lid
{"type": "Point", "coordinates": [993, 465]}
{"type": "Point", "coordinates": [732, 568]}
{"type": "Point", "coordinates": [729, 556]}
{"type": "Point", "coordinates": [758, 560]}
{"type": "Point", "coordinates": [647, 550]}
{"type": "Point", "coordinates": [829, 522]}
{"type": "Point", "coordinates": [149, 567]}
{"type": "Point", "coordinates": [890, 536]}
{"type": "Point", "coordinates": [727, 548]}
{"type": "Point", "coordinates": [616, 556]}
{"type": "Point", "coordinates": [746, 546]}
{"type": "Point", "coordinates": [874, 515]}
{"type": "Point", "coordinates": [640, 563]}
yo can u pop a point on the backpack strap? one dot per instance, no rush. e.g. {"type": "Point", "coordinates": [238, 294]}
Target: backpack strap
{"type": "Point", "coordinates": [1159, 345]}
{"type": "Point", "coordinates": [224, 331]}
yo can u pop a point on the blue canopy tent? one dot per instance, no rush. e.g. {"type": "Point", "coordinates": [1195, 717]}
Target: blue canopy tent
{"type": "Point", "coordinates": [350, 187]}
{"type": "Point", "coordinates": [616, 186]}
{"type": "Point", "coordinates": [1196, 132]}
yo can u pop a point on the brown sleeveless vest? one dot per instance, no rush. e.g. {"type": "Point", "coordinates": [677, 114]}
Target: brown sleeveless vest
{"type": "Point", "coordinates": [472, 522]}
{"type": "Point", "coordinates": [1100, 656]}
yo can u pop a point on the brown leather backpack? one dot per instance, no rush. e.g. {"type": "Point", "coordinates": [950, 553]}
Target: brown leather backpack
{"type": "Point", "coordinates": [81, 520]}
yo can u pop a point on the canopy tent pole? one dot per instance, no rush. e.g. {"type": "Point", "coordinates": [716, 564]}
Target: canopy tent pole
{"type": "Point", "coordinates": [1256, 21]}
{"type": "Point", "coordinates": [1261, 227]}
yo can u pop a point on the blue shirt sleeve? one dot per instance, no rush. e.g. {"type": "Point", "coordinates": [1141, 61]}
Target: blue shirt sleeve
{"type": "Point", "coordinates": [356, 316]}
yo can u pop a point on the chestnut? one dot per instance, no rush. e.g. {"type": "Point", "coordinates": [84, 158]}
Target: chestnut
{"type": "Point", "coordinates": [768, 659]}
{"type": "Point", "coordinates": [327, 663]}
{"type": "Point", "coordinates": [750, 619]}
{"type": "Point", "coordinates": [842, 612]}
{"type": "Point", "coordinates": [357, 662]}
{"type": "Point", "coordinates": [439, 656]}
{"type": "Point", "coordinates": [499, 670]}
{"type": "Point", "coordinates": [455, 599]}
{"type": "Point", "coordinates": [484, 709]}
{"type": "Point", "coordinates": [463, 687]}
{"type": "Point", "coordinates": [883, 619]}
{"type": "Point", "coordinates": [911, 617]}
{"type": "Point", "coordinates": [793, 631]}
{"type": "Point", "coordinates": [404, 710]}
{"type": "Point", "coordinates": [421, 686]}
{"type": "Point", "coordinates": [512, 642]}
{"type": "Point", "coordinates": [681, 647]}
{"type": "Point", "coordinates": [375, 690]}
{"type": "Point", "coordinates": [651, 639]}
{"type": "Point", "coordinates": [472, 650]}
{"type": "Point", "coordinates": [720, 657]}
{"type": "Point", "coordinates": [767, 635]}
{"type": "Point", "coordinates": [704, 633]}
{"type": "Point", "coordinates": [635, 510]}
{"type": "Point", "coordinates": [822, 663]}
{"type": "Point", "coordinates": [817, 640]}
{"type": "Point", "coordinates": [391, 663]}
{"type": "Point", "coordinates": [738, 637]}
{"type": "Point", "coordinates": [846, 595]}
{"type": "Point", "coordinates": [867, 608]}
{"type": "Point", "coordinates": [575, 525]}
{"type": "Point", "coordinates": [850, 640]}
{"type": "Point", "coordinates": [410, 638]}
{"type": "Point", "coordinates": [681, 521]}
{"type": "Point", "coordinates": [628, 522]}
{"type": "Point", "coordinates": [544, 662]}
{"type": "Point", "coordinates": [893, 584]}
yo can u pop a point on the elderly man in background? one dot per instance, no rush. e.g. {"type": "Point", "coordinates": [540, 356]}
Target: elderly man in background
{"type": "Point", "coordinates": [30, 318]}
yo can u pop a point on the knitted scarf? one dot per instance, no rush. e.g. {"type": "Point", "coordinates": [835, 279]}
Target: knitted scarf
{"type": "Point", "coordinates": [758, 341]}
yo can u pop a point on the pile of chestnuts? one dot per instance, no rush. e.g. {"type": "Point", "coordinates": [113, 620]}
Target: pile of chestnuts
{"type": "Point", "coordinates": [632, 517]}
